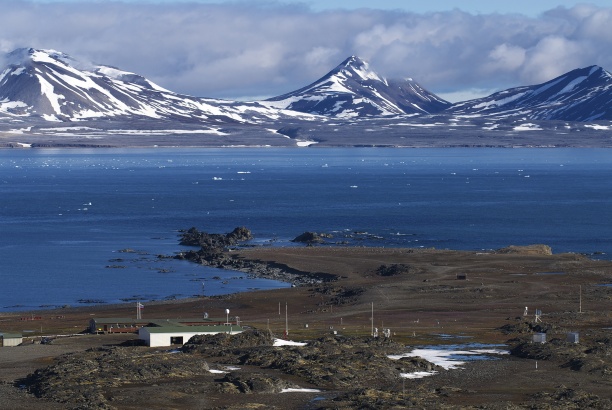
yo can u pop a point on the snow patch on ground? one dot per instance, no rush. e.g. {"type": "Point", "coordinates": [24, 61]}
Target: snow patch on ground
{"type": "Point", "coordinates": [293, 390]}
{"type": "Point", "coordinates": [282, 342]}
{"type": "Point", "coordinates": [445, 358]}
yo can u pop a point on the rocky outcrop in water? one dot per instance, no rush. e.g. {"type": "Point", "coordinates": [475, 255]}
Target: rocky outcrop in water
{"type": "Point", "coordinates": [213, 252]}
{"type": "Point", "coordinates": [312, 238]}
{"type": "Point", "coordinates": [194, 237]}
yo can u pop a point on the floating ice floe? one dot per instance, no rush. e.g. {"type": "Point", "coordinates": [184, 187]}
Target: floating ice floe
{"type": "Point", "coordinates": [281, 342]}
{"type": "Point", "coordinates": [598, 127]}
{"type": "Point", "coordinates": [305, 143]}
{"type": "Point", "coordinates": [527, 127]}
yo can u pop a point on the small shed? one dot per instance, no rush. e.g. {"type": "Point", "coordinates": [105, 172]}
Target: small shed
{"type": "Point", "coordinates": [572, 337]}
{"type": "Point", "coordinates": [10, 339]}
{"type": "Point", "coordinates": [155, 336]}
{"type": "Point", "coordinates": [539, 338]}
{"type": "Point", "coordinates": [462, 276]}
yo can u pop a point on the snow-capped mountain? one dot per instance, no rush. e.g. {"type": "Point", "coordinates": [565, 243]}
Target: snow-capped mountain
{"type": "Point", "coordinates": [583, 94]}
{"type": "Point", "coordinates": [48, 98]}
{"type": "Point", "coordinates": [56, 87]}
{"type": "Point", "coordinates": [352, 89]}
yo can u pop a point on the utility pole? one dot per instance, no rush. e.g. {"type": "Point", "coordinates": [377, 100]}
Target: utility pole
{"type": "Point", "coordinates": [286, 321]}
{"type": "Point", "coordinates": [372, 319]}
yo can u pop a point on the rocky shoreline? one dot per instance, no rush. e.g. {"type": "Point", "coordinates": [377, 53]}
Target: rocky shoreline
{"type": "Point", "coordinates": [215, 251]}
{"type": "Point", "coordinates": [422, 297]}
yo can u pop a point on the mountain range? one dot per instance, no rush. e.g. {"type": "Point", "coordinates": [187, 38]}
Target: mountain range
{"type": "Point", "coordinates": [42, 89]}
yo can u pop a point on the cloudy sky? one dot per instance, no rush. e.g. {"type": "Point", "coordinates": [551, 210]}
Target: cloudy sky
{"type": "Point", "coordinates": [256, 49]}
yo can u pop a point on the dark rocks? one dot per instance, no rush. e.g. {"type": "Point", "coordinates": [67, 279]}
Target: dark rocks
{"type": "Point", "coordinates": [418, 364]}
{"type": "Point", "coordinates": [392, 270]}
{"type": "Point", "coordinates": [214, 252]}
{"type": "Point", "coordinates": [339, 295]}
{"type": "Point", "coordinates": [327, 362]}
{"type": "Point", "coordinates": [312, 237]}
{"type": "Point", "coordinates": [537, 249]}
{"type": "Point", "coordinates": [567, 398]}
{"type": "Point", "coordinates": [333, 361]}
{"type": "Point", "coordinates": [253, 383]}
{"type": "Point", "coordinates": [524, 326]}
{"type": "Point", "coordinates": [222, 344]}
{"type": "Point", "coordinates": [82, 380]}
{"type": "Point", "coordinates": [193, 237]}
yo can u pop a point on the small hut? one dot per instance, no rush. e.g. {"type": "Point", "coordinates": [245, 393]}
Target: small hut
{"type": "Point", "coordinates": [572, 337]}
{"type": "Point", "coordinates": [10, 339]}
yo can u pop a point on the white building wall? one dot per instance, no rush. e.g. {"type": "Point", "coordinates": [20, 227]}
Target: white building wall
{"type": "Point", "coordinates": [12, 341]}
{"type": "Point", "coordinates": [163, 339]}
{"type": "Point", "coordinates": [143, 334]}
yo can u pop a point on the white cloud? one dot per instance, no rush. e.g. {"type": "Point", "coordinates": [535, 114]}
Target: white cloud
{"type": "Point", "coordinates": [241, 49]}
{"type": "Point", "coordinates": [551, 57]}
{"type": "Point", "coordinates": [505, 57]}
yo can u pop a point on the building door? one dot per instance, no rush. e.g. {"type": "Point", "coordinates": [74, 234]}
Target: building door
{"type": "Point", "coordinates": [176, 340]}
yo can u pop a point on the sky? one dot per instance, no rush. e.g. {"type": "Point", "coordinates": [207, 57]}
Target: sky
{"type": "Point", "coordinates": [247, 50]}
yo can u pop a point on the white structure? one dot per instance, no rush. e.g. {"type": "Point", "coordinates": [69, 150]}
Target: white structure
{"type": "Point", "coordinates": [539, 338]}
{"type": "Point", "coordinates": [572, 337]}
{"type": "Point", "coordinates": [10, 339]}
{"type": "Point", "coordinates": [538, 316]}
{"type": "Point", "coordinates": [155, 336]}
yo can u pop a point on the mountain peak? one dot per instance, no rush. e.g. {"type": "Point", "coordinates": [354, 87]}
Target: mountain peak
{"type": "Point", "coordinates": [353, 89]}
{"type": "Point", "coordinates": [353, 61]}
{"type": "Point", "coordinates": [355, 66]}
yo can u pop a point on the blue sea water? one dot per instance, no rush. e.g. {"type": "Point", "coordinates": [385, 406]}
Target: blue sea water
{"type": "Point", "coordinates": [66, 214]}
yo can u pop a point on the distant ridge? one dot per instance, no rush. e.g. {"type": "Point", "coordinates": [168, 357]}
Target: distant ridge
{"type": "Point", "coordinates": [56, 87]}
{"type": "Point", "coordinates": [352, 89]}
{"type": "Point", "coordinates": [584, 94]}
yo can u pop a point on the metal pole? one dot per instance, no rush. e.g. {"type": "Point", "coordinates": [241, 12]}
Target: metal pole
{"type": "Point", "coordinates": [372, 318]}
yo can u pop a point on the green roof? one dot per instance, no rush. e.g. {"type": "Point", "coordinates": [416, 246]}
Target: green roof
{"type": "Point", "coordinates": [127, 320]}
{"type": "Point", "coordinates": [194, 329]}
{"type": "Point", "coordinates": [10, 335]}
{"type": "Point", "coordinates": [122, 320]}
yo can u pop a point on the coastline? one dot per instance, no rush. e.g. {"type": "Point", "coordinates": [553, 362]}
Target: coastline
{"type": "Point", "coordinates": [426, 297]}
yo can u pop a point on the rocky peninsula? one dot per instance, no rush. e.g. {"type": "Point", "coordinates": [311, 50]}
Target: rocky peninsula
{"type": "Point", "coordinates": [415, 298]}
